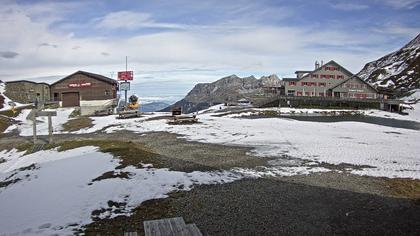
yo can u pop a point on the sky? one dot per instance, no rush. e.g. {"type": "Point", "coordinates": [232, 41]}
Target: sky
{"type": "Point", "coordinates": [177, 43]}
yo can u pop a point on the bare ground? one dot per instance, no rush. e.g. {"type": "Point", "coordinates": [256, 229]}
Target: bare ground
{"type": "Point", "coordinates": [317, 204]}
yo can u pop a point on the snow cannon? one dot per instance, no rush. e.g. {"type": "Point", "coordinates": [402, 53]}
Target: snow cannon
{"type": "Point", "coordinates": [133, 103]}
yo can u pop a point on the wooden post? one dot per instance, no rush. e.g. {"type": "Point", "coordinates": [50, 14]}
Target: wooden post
{"type": "Point", "coordinates": [50, 130]}
{"type": "Point", "coordinates": [34, 128]}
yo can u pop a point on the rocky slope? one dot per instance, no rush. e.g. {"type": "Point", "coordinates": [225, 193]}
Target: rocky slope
{"type": "Point", "coordinates": [397, 71]}
{"type": "Point", "coordinates": [227, 89]}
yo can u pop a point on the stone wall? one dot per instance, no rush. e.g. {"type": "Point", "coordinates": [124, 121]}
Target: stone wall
{"type": "Point", "coordinates": [27, 92]}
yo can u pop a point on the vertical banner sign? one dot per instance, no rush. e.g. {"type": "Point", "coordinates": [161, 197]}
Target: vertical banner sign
{"type": "Point", "coordinates": [125, 75]}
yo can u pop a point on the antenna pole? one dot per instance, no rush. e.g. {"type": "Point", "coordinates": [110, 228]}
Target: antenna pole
{"type": "Point", "coordinates": [126, 105]}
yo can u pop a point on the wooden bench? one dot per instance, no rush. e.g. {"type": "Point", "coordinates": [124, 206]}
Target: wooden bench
{"type": "Point", "coordinates": [170, 227]}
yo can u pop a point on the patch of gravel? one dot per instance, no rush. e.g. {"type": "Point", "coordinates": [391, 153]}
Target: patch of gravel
{"type": "Point", "coordinates": [275, 207]}
{"type": "Point", "coordinates": [210, 155]}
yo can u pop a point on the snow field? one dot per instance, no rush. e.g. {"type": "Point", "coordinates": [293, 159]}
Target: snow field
{"type": "Point", "coordinates": [57, 195]}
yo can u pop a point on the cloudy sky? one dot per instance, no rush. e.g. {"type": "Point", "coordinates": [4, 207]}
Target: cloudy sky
{"type": "Point", "coordinates": [187, 41]}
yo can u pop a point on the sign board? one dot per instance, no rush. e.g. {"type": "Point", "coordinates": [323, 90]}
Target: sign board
{"type": "Point", "coordinates": [79, 85]}
{"type": "Point", "coordinates": [125, 75]}
{"type": "Point", "coordinates": [124, 86]}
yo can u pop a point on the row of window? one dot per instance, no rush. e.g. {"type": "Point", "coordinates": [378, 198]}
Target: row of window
{"type": "Point", "coordinates": [320, 84]}
{"type": "Point", "coordinates": [322, 94]}
{"type": "Point", "coordinates": [327, 76]}
{"type": "Point", "coordinates": [310, 93]}
{"type": "Point", "coordinates": [331, 68]}
{"type": "Point", "coordinates": [355, 86]}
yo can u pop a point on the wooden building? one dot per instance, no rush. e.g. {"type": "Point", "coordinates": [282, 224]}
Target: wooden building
{"type": "Point", "coordinates": [83, 86]}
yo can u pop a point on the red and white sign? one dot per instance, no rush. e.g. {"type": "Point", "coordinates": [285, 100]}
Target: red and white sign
{"type": "Point", "coordinates": [80, 85]}
{"type": "Point", "coordinates": [125, 75]}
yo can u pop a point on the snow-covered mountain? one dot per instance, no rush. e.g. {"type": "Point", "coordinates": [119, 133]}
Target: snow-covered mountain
{"type": "Point", "coordinates": [397, 71]}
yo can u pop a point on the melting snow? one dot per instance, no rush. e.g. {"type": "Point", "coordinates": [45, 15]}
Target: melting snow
{"type": "Point", "coordinates": [57, 194]}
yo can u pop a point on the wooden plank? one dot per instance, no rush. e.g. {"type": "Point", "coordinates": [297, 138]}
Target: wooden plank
{"type": "Point", "coordinates": [164, 227]}
{"type": "Point", "coordinates": [130, 234]}
{"type": "Point", "coordinates": [37, 147]}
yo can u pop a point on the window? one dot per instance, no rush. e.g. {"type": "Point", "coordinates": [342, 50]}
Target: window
{"type": "Point", "coordinates": [308, 83]}
{"type": "Point", "coordinates": [308, 93]}
{"type": "Point", "coordinates": [321, 84]}
{"type": "Point", "coordinates": [321, 94]}
{"type": "Point", "coordinates": [299, 93]}
{"type": "Point", "coordinates": [293, 83]}
{"type": "Point", "coordinates": [314, 76]}
{"type": "Point", "coordinates": [340, 77]}
{"type": "Point", "coordinates": [327, 76]}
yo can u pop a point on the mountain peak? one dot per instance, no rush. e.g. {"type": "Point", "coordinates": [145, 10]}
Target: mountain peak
{"type": "Point", "coordinates": [413, 43]}
{"type": "Point", "coordinates": [227, 89]}
{"type": "Point", "coordinates": [397, 71]}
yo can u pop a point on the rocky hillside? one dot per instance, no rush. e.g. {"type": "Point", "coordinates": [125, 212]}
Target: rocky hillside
{"type": "Point", "coordinates": [227, 89]}
{"type": "Point", "coordinates": [2, 99]}
{"type": "Point", "coordinates": [397, 71]}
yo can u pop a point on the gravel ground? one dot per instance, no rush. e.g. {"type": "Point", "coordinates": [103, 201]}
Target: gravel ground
{"type": "Point", "coordinates": [274, 207]}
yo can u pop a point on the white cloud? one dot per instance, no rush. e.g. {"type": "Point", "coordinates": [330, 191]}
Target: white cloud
{"type": "Point", "coordinates": [398, 30]}
{"type": "Point", "coordinates": [131, 21]}
{"type": "Point", "coordinates": [401, 4]}
{"type": "Point", "coordinates": [348, 6]}
{"type": "Point", "coordinates": [229, 47]}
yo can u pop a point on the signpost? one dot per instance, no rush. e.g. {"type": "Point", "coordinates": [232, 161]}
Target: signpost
{"type": "Point", "coordinates": [36, 113]}
{"type": "Point", "coordinates": [125, 76]}
{"type": "Point", "coordinates": [125, 86]}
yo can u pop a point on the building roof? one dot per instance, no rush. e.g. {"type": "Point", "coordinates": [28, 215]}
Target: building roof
{"type": "Point", "coordinates": [25, 81]}
{"type": "Point", "coordinates": [290, 79]}
{"type": "Point", "coordinates": [92, 75]}
{"type": "Point", "coordinates": [328, 63]}
{"type": "Point", "coordinates": [357, 77]}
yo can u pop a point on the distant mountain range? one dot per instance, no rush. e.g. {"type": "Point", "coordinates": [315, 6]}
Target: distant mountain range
{"type": "Point", "coordinates": [227, 89]}
{"type": "Point", "coordinates": [396, 72]}
{"type": "Point", "coordinates": [153, 106]}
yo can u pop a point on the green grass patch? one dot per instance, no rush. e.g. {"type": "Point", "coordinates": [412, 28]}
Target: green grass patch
{"type": "Point", "coordinates": [407, 188]}
{"type": "Point", "coordinates": [129, 153]}
{"type": "Point", "coordinates": [76, 112]}
{"type": "Point", "coordinates": [9, 113]}
{"type": "Point", "coordinates": [4, 123]}
{"type": "Point", "coordinates": [25, 147]}
{"type": "Point", "coordinates": [77, 124]}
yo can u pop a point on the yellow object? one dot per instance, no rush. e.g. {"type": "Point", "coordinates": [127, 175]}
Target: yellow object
{"type": "Point", "coordinates": [14, 110]}
{"type": "Point", "coordinates": [133, 106]}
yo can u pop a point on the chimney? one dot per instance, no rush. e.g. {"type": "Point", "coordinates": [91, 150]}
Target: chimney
{"type": "Point", "coordinates": [316, 65]}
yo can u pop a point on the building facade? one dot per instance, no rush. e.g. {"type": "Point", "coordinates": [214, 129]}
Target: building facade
{"type": "Point", "coordinates": [23, 91]}
{"type": "Point", "coordinates": [83, 86]}
{"type": "Point", "coordinates": [329, 80]}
